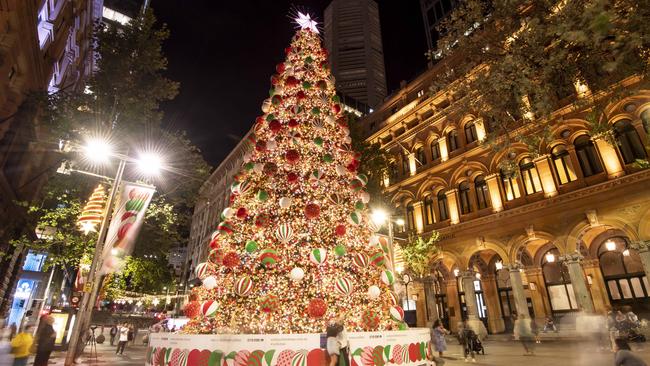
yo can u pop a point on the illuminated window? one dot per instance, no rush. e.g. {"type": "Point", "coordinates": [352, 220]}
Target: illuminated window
{"type": "Point", "coordinates": [530, 176]}
{"type": "Point", "coordinates": [463, 194]}
{"type": "Point", "coordinates": [628, 141]}
{"type": "Point", "coordinates": [482, 194]}
{"type": "Point", "coordinates": [510, 185]}
{"type": "Point", "coordinates": [563, 166]}
{"type": "Point", "coordinates": [421, 157]}
{"type": "Point", "coordinates": [587, 156]}
{"type": "Point", "coordinates": [406, 170]}
{"type": "Point", "coordinates": [442, 206]}
{"type": "Point", "coordinates": [470, 132]}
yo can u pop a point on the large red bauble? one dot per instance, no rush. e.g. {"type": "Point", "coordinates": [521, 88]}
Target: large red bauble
{"type": "Point", "coordinates": [275, 126]}
{"type": "Point", "coordinates": [231, 260]}
{"type": "Point", "coordinates": [292, 123]}
{"type": "Point", "coordinates": [312, 210]}
{"type": "Point", "coordinates": [343, 122]}
{"type": "Point", "coordinates": [292, 177]}
{"type": "Point", "coordinates": [291, 82]}
{"type": "Point", "coordinates": [352, 167]}
{"type": "Point", "coordinates": [317, 308]}
{"type": "Point", "coordinates": [270, 169]}
{"type": "Point", "coordinates": [214, 243]}
{"type": "Point", "coordinates": [259, 120]}
{"type": "Point", "coordinates": [336, 108]}
{"type": "Point", "coordinates": [192, 308]}
{"type": "Point", "coordinates": [260, 145]}
{"type": "Point", "coordinates": [292, 156]}
{"type": "Point", "coordinates": [287, 50]}
{"type": "Point", "coordinates": [275, 80]}
{"type": "Point", "coordinates": [242, 213]}
{"type": "Point", "coordinates": [340, 230]}
{"type": "Point", "coordinates": [300, 95]}
{"type": "Point", "coordinates": [280, 68]}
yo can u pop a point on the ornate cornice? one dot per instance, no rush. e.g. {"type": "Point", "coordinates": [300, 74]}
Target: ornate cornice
{"type": "Point", "coordinates": [569, 258]}
{"type": "Point", "coordinates": [641, 246]}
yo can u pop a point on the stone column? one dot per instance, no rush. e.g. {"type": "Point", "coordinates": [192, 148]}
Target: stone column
{"type": "Point", "coordinates": [418, 215]}
{"type": "Point", "coordinates": [518, 292]}
{"type": "Point", "coordinates": [537, 287]}
{"type": "Point", "coordinates": [582, 295]}
{"type": "Point", "coordinates": [610, 158]}
{"type": "Point", "coordinates": [491, 294]}
{"type": "Point", "coordinates": [546, 176]}
{"type": "Point", "coordinates": [643, 247]}
{"type": "Point", "coordinates": [597, 286]}
{"type": "Point", "coordinates": [452, 202]}
{"type": "Point", "coordinates": [444, 153]}
{"type": "Point", "coordinates": [473, 321]}
{"type": "Point", "coordinates": [429, 301]}
{"type": "Point", "coordinates": [492, 181]}
{"type": "Point", "coordinates": [454, 310]}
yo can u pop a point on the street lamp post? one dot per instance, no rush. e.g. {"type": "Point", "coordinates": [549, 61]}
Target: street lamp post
{"type": "Point", "coordinates": [381, 217]}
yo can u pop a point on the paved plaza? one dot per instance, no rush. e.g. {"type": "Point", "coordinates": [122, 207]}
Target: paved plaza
{"type": "Point", "coordinates": [500, 352]}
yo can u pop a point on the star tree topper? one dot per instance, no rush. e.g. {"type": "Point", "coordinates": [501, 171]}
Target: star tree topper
{"type": "Point", "coordinates": [306, 22]}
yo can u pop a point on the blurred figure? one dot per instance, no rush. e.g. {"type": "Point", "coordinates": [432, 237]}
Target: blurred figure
{"type": "Point", "coordinates": [438, 333]}
{"type": "Point", "coordinates": [21, 345]}
{"type": "Point", "coordinates": [113, 333]}
{"type": "Point", "coordinates": [624, 356]}
{"type": "Point", "coordinates": [549, 324]}
{"type": "Point", "coordinates": [44, 341]}
{"type": "Point", "coordinates": [333, 349]}
{"type": "Point", "coordinates": [526, 336]}
{"type": "Point", "coordinates": [6, 357]}
{"type": "Point", "coordinates": [123, 334]}
{"type": "Point", "coordinates": [465, 337]}
{"type": "Point", "coordinates": [343, 343]}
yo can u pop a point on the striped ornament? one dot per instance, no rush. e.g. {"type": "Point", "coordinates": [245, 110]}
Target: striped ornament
{"type": "Point", "coordinates": [344, 286]}
{"type": "Point", "coordinates": [224, 228]}
{"type": "Point", "coordinates": [378, 259]}
{"type": "Point", "coordinates": [209, 308]}
{"type": "Point", "coordinates": [396, 313]}
{"type": "Point", "coordinates": [178, 358]}
{"type": "Point", "coordinates": [269, 257]}
{"type": "Point", "coordinates": [203, 270]}
{"type": "Point", "coordinates": [245, 187]}
{"type": "Point", "coordinates": [299, 358]}
{"type": "Point", "coordinates": [244, 286]}
{"type": "Point", "coordinates": [241, 358]}
{"type": "Point", "coordinates": [284, 233]}
{"type": "Point", "coordinates": [256, 358]}
{"type": "Point", "coordinates": [387, 277]}
{"type": "Point", "coordinates": [360, 260]}
{"type": "Point", "coordinates": [392, 298]}
{"type": "Point", "coordinates": [318, 256]}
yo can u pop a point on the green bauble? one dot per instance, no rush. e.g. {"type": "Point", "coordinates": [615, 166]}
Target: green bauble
{"type": "Point", "coordinates": [270, 117]}
{"type": "Point", "coordinates": [336, 99]}
{"type": "Point", "coordinates": [306, 85]}
{"type": "Point", "coordinates": [402, 326]}
{"type": "Point", "coordinates": [318, 141]}
{"type": "Point", "coordinates": [251, 246]}
{"type": "Point", "coordinates": [309, 60]}
{"type": "Point", "coordinates": [315, 111]}
{"type": "Point", "coordinates": [249, 166]}
{"type": "Point", "coordinates": [327, 158]}
{"type": "Point", "coordinates": [339, 250]}
{"type": "Point", "coordinates": [262, 195]}
{"type": "Point", "coordinates": [359, 206]}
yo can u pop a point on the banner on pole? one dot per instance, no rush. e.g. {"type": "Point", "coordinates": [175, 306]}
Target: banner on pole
{"type": "Point", "coordinates": [125, 224]}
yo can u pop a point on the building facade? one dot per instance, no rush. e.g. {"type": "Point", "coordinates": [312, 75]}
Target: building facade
{"type": "Point", "coordinates": [214, 197]}
{"type": "Point", "coordinates": [564, 230]}
{"type": "Point", "coordinates": [353, 39]}
{"type": "Point", "coordinates": [45, 46]}
{"type": "Point", "coordinates": [433, 12]}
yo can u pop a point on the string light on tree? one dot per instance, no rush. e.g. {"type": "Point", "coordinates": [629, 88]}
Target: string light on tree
{"type": "Point", "coordinates": [295, 248]}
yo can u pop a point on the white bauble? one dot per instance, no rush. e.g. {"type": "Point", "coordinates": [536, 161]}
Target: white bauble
{"type": "Point", "coordinates": [340, 170]}
{"type": "Point", "coordinates": [258, 168]}
{"type": "Point", "coordinates": [297, 274]}
{"type": "Point", "coordinates": [266, 106]}
{"type": "Point", "coordinates": [330, 119]}
{"type": "Point", "coordinates": [228, 212]}
{"type": "Point", "coordinates": [285, 202]}
{"type": "Point", "coordinates": [364, 196]}
{"type": "Point", "coordinates": [374, 240]}
{"type": "Point", "coordinates": [373, 292]}
{"type": "Point", "coordinates": [347, 139]}
{"type": "Point", "coordinates": [271, 145]}
{"type": "Point", "coordinates": [210, 282]}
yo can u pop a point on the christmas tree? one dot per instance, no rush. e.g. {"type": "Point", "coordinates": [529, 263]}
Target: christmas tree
{"type": "Point", "coordinates": [296, 248]}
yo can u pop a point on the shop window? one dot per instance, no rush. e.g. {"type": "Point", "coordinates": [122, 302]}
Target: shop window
{"type": "Point", "coordinates": [428, 210]}
{"type": "Point", "coordinates": [558, 283]}
{"type": "Point", "coordinates": [463, 194]}
{"type": "Point", "coordinates": [470, 132]}
{"type": "Point", "coordinates": [510, 185]}
{"type": "Point", "coordinates": [529, 174]}
{"type": "Point", "coordinates": [482, 194]}
{"type": "Point", "coordinates": [587, 156]}
{"type": "Point", "coordinates": [435, 151]}
{"type": "Point", "coordinates": [420, 156]}
{"type": "Point", "coordinates": [628, 141]}
{"type": "Point", "coordinates": [452, 141]}
{"type": "Point", "coordinates": [563, 166]}
{"type": "Point", "coordinates": [410, 216]}
{"type": "Point", "coordinates": [442, 206]}
{"type": "Point", "coordinates": [623, 272]}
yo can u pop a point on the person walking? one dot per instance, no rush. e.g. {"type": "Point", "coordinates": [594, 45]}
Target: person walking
{"type": "Point", "coordinates": [123, 333]}
{"type": "Point", "coordinates": [624, 355]}
{"type": "Point", "coordinates": [6, 357]}
{"type": "Point", "coordinates": [526, 335]}
{"type": "Point", "coordinates": [45, 338]}
{"type": "Point", "coordinates": [465, 337]}
{"type": "Point", "coordinates": [113, 334]}
{"type": "Point", "coordinates": [344, 344]}
{"type": "Point", "coordinates": [438, 337]}
{"type": "Point", "coordinates": [333, 349]}
{"type": "Point", "coordinates": [21, 345]}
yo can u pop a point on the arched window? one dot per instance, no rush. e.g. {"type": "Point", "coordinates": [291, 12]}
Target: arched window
{"type": "Point", "coordinates": [410, 216]}
{"type": "Point", "coordinates": [452, 140]}
{"type": "Point", "coordinates": [428, 210]}
{"type": "Point", "coordinates": [470, 132]}
{"type": "Point", "coordinates": [587, 156]}
{"type": "Point", "coordinates": [628, 141]}
{"type": "Point", "coordinates": [558, 282]}
{"type": "Point", "coordinates": [463, 194]}
{"type": "Point", "coordinates": [435, 150]}
{"type": "Point", "coordinates": [530, 176]}
{"type": "Point", "coordinates": [421, 157]}
{"type": "Point", "coordinates": [482, 194]}
{"type": "Point", "coordinates": [563, 167]}
{"type": "Point", "coordinates": [622, 271]}
{"type": "Point", "coordinates": [406, 169]}
{"type": "Point", "coordinates": [510, 185]}
{"type": "Point", "coordinates": [442, 206]}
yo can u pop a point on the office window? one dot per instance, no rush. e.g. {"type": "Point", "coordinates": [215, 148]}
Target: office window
{"type": "Point", "coordinates": [421, 157]}
{"type": "Point", "coordinates": [406, 170]}
{"type": "Point", "coordinates": [587, 156]}
{"type": "Point", "coordinates": [442, 206]}
{"type": "Point", "coordinates": [563, 166]}
{"type": "Point", "coordinates": [452, 141]}
{"type": "Point", "coordinates": [429, 214]}
{"type": "Point", "coordinates": [463, 194]}
{"type": "Point", "coordinates": [435, 151]}
{"type": "Point", "coordinates": [628, 141]}
{"type": "Point", "coordinates": [510, 185]}
{"type": "Point", "coordinates": [530, 176]}
{"type": "Point", "coordinates": [470, 132]}
{"type": "Point", "coordinates": [482, 194]}
{"type": "Point", "coordinates": [410, 216]}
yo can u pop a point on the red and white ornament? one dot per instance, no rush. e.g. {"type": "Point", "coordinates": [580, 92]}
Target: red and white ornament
{"type": "Point", "coordinates": [243, 286]}
{"type": "Point", "coordinates": [344, 286]}
{"type": "Point", "coordinates": [209, 308]}
{"type": "Point", "coordinates": [396, 313]}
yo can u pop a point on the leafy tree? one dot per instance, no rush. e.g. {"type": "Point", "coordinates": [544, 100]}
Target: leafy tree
{"type": "Point", "coordinates": [513, 62]}
{"type": "Point", "coordinates": [418, 252]}
{"type": "Point", "coordinates": [141, 275]}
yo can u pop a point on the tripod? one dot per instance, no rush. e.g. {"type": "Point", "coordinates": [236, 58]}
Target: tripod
{"type": "Point", "coordinates": [93, 345]}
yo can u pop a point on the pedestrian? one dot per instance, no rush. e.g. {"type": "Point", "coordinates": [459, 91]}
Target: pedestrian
{"type": "Point", "coordinates": [343, 343]}
{"type": "Point", "coordinates": [123, 334]}
{"type": "Point", "coordinates": [333, 349]}
{"type": "Point", "coordinates": [465, 337]}
{"type": "Point", "coordinates": [21, 345]}
{"type": "Point", "coordinates": [535, 330]}
{"type": "Point", "coordinates": [549, 324]}
{"type": "Point", "coordinates": [526, 335]}
{"type": "Point", "coordinates": [44, 341]}
{"type": "Point", "coordinates": [12, 330]}
{"type": "Point", "coordinates": [131, 334]}
{"type": "Point", "coordinates": [624, 355]}
{"type": "Point", "coordinates": [113, 333]}
{"type": "Point", "coordinates": [438, 333]}
{"type": "Point", "coordinates": [6, 357]}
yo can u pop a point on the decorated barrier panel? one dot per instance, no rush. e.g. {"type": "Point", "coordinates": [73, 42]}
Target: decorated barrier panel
{"type": "Point", "coordinates": [367, 349]}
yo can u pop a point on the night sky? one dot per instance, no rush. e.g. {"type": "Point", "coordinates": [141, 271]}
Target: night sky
{"type": "Point", "coordinates": [224, 52]}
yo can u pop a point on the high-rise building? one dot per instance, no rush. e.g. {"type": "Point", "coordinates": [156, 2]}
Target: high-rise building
{"type": "Point", "coordinates": [122, 11]}
{"type": "Point", "coordinates": [353, 39]}
{"type": "Point", "coordinates": [46, 47]}
{"type": "Point", "coordinates": [433, 12]}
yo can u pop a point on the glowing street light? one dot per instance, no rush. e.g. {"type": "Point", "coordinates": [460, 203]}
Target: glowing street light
{"type": "Point", "coordinates": [379, 216]}
{"type": "Point", "coordinates": [149, 164]}
{"type": "Point", "coordinates": [610, 245]}
{"type": "Point", "coordinates": [400, 222]}
{"type": "Point", "coordinates": [97, 150]}
{"type": "Point", "coordinates": [550, 257]}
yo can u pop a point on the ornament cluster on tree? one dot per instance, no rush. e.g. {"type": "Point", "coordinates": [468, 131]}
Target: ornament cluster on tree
{"type": "Point", "coordinates": [93, 212]}
{"type": "Point", "coordinates": [296, 248]}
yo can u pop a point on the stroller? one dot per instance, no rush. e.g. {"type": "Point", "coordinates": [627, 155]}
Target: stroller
{"type": "Point", "coordinates": [472, 343]}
